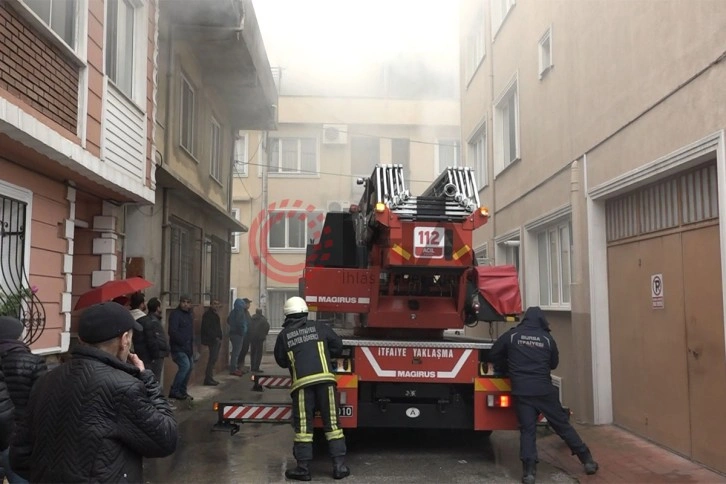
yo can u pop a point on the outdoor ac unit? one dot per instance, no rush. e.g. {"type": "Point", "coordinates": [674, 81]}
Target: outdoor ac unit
{"type": "Point", "coordinates": [335, 134]}
{"type": "Point", "coordinates": [338, 206]}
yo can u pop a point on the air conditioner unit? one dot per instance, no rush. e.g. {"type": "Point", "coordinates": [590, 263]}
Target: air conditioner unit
{"type": "Point", "coordinates": [335, 134]}
{"type": "Point", "coordinates": [338, 206]}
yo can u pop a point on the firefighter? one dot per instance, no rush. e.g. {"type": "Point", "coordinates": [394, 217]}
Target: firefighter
{"type": "Point", "coordinates": [527, 353]}
{"type": "Point", "coordinates": [305, 347]}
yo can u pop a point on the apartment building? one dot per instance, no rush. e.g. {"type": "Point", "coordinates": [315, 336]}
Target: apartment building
{"type": "Point", "coordinates": [600, 129]}
{"type": "Point", "coordinates": [76, 144]}
{"type": "Point", "coordinates": [214, 80]}
{"type": "Point", "coordinates": [286, 180]}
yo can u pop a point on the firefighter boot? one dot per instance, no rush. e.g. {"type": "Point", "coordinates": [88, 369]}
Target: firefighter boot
{"type": "Point", "coordinates": [588, 462]}
{"type": "Point", "coordinates": [299, 473]}
{"type": "Point", "coordinates": [529, 471]}
{"type": "Point", "coordinates": [340, 470]}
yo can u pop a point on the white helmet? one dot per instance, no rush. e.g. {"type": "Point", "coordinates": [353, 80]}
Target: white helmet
{"type": "Point", "coordinates": [295, 305]}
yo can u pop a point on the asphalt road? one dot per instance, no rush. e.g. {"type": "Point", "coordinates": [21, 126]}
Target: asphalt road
{"type": "Point", "coordinates": [260, 453]}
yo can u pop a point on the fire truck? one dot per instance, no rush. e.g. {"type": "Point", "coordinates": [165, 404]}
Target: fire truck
{"type": "Point", "coordinates": [395, 274]}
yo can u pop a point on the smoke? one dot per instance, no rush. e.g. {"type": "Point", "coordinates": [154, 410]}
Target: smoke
{"type": "Point", "coordinates": [362, 47]}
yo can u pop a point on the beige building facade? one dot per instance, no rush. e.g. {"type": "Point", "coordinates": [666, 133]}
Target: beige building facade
{"type": "Point", "coordinates": [286, 180]}
{"type": "Point", "coordinates": [600, 126]}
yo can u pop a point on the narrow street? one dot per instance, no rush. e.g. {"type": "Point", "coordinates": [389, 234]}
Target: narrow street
{"type": "Point", "coordinates": [260, 453]}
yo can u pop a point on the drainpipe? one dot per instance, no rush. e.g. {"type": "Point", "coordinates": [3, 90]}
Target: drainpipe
{"type": "Point", "coordinates": [165, 238]}
{"type": "Point", "coordinates": [263, 243]}
{"type": "Point", "coordinates": [169, 89]}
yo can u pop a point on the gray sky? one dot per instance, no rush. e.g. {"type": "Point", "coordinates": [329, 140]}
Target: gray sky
{"type": "Point", "coordinates": [325, 39]}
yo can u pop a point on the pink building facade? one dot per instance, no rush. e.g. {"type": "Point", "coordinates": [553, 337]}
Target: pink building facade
{"type": "Point", "coordinates": [77, 107]}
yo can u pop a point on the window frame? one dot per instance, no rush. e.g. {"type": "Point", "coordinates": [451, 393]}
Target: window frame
{"type": "Point", "coordinates": [240, 167]}
{"type": "Point", "coordinates": [235, 247]}
{"type": "Point", "coordinates": [75, 48]}
{"type": "Point", "coordinates": [498, 15]}
{"type": "Point", "coordinates": [510, 91]}
{"type": "Point", "coordinates": [547, 232]}
{"type": "Point", "coordinates": [475, 49]}
{"type": "Point", "coordinates": [271, 171]}
{"type": "Point", "coordinates": [446, 143]}
{"type": "Point", "coordinates": [190, 124]}
{"type": "Point", "coordinates": [480, 166]}
{"type": "Point", "coordinates": [556, 219]}
{"type": "Point", "coordinates": [216, 142]}
{"type": "Point", "coordinates": [134, 88]}
{"type": "Point", "coordinates": [546, 37]}
{"type": "Point", "coordinates": [287, 248]}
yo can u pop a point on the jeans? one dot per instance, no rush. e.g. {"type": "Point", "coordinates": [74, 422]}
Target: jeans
{"type": "Point", "coordinates": [213, 357]}
{"type": "Point", "coordinates": [236, 340]}
{"type": "Point", "coordinates": [185, 364]}
{"type": "Point", "coordinates": [12, 477]}
{"type": "Point", "coordinates": [243, 353]}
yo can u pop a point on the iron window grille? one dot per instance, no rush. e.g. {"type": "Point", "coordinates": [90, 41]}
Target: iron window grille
{"type": "Point", "coordinates": [17, 297]}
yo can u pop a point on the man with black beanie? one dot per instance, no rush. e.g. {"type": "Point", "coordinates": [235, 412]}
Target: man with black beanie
{"type": "Point", "coordinates": [96, 416]}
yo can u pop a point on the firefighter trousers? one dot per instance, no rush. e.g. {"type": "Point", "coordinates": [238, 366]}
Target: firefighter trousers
{"type": "Point", "coordinates": [305, 401]}
{"type": "Point", "coordinates": [528, 409]}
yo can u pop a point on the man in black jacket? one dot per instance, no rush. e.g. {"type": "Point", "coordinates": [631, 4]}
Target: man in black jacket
{"type": "Point", "coordinates": [212, 339]}
{"type": "Point", "coordinates": [160, 348]}
{"type": "Point", "coordinates": [309, 345]}
{"type": "Point", "coordinates": [144, 341]}
{"type": "Point", "coordinates": [259, 328]}
{"type": "Point", "coordinates": [527, 353]}
{"type": "Point", "coordinates": [95, 417]}
{"type": "Point", "coordinates": [181, 339]}
{"type": "Point", "coordinates": [22, 369]}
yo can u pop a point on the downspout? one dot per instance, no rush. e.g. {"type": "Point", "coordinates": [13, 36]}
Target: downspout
{"type": "Point", "coordinates": [165, 238]}
{"type": "Point", "coordinates": [263, 243]}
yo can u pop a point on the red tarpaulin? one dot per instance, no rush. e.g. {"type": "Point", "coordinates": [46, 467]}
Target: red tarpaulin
{"type": "Point", "coordinates": [499, 285]}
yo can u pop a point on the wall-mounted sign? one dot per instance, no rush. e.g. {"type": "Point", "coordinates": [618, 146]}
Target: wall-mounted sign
{"type": "Point", "coordinates": [656, 291]}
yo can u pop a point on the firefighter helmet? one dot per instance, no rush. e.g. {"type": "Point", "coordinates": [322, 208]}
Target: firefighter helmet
{"type": "Point", "coordinates": [295, 305]}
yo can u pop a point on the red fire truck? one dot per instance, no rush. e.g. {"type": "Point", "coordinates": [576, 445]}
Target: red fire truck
{"type": "Point", "coordinates": [398, 271]}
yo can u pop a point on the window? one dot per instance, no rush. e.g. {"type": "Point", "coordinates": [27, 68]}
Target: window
{"type": "Point", "coordinates": [216, 266]}
{"type": "Point", "coordinates": [401, 155]}
{"type": "Point", "coordinates": [481, 254]}
{"type": "Point", "coordinates": [241, 161]}
{"type": "Point", "coordinates": [215, 155]}
{"type": "Point", "coordinates": [293, 229]}
{"type": "Point", "coordinates": [447, 154]}
{"type": "Point", "coordinates": [475, 47]}
{"type": "Point", "coordinates": [478, 156]}
{"type": "Point", "coordinates": [120, 33]}
{"type": "Point", "coordinates": [506, 128]}
{"type": "Point", "coordinates": [186, 120]}
{"type": "Point", "coordinates": [365, 153]}
{"type": "Point", "coordinates": [235, 235]}
{"type": "Point", "coordinates": [545, 53]}
{"type": "Point", "coordinates": [277, 298]}
{"type": "Point", "coordinates": [293, 155]}
{"type": "Point", "coordinates": [500, 10]}
{"type": "Point", "coordinates": [58, 15]}
{"type": "Point", "coordinates": [181, 261]}
{"type": "Point", "coordinates": [554, 253]}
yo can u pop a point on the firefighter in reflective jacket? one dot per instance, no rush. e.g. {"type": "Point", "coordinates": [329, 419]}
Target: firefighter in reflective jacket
{"type": "Point", "coordinates": [305, 347]}
{"type": "Point", "coordinates": [527, 353]}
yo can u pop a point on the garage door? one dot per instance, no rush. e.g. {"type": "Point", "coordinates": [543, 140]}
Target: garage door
{"type": "Point", "coordinates": [666, 315]}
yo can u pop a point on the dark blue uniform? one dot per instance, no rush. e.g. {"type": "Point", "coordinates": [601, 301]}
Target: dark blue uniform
{"type": "Point", "coordinates": [527, 353]}
{"type": "Point", "coordinates": [304, 347]}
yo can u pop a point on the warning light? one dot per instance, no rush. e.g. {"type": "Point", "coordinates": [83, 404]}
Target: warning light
{"type": "Point", "coordinates": [380, 207]}
{"type": "Point", "coordinates": [502, 401]}
{"type": "Point", "coordinates": [215, 407]}
{"type": "Point", "coordinates": [484, 211]}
